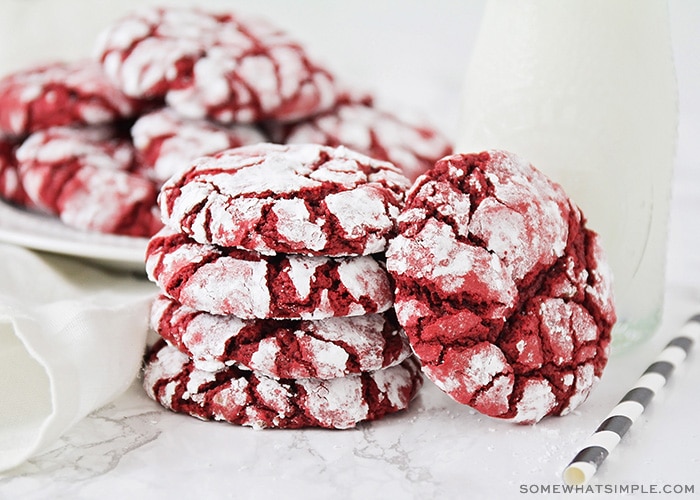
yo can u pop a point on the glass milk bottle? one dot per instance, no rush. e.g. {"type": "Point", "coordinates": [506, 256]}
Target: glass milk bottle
{"type": "Point", "coordinates": [586, 91]}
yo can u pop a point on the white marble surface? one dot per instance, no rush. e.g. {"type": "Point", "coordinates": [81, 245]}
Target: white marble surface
{"type": "Point", "coordinates": [436, 449]}
{"type": "Point", "coordinates": [413, 54]}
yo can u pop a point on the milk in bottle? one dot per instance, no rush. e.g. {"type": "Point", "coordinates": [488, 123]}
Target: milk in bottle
{"type": "Point", "coordinates": [586, 91]}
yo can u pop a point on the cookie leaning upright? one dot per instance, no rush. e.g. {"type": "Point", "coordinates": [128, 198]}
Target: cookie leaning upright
{"type": "Point", "coordinates": [503, 291]}
{"type": "Point", "coordinates": [221, 66]}
{"type": "Point", "coordinates": [303, 199]}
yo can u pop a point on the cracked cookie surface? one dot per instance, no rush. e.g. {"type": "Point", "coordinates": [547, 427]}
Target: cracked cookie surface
{"type": "Point", "coordinates": [85, 176]}
{"type": "Point", "coordinates": [250, 285]}
{"type": "Point", "coordinates": [166, 143]}
{"type": "Point", "coordinates": [298, 198]}
{"type": "Point", "coordinates": [503, 291]}
{"type": "Point", "coordinates": [246, 398]}
{"type": "Point", "coordinates": [76, 93]}
{"type": "Point", "coordinates": [226, 67]}
{"type": "Point", "coordinates": [326, 348]}
{"type": "Point", "coordinates": [363, 127]}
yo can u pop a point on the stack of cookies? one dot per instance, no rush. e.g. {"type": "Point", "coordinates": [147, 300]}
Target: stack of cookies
{"type": "Point", "coordinates": [276, 307]}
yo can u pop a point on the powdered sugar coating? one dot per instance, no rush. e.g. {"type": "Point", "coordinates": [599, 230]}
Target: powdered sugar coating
{"type": "Point", "coordinates": [251, 399]}
{"type": "Point", "coordinates": [326, 348]}
{"type": "Point", "coordinates": [301, 198]}
{"type": "Point", "coordinates": [84, 176]}
{"type": "Point", "coordinates": [250, 285]}
{"type": "Point", "coordinates": [61, 93]}
{"type": "Point", "coordinates": [167, 143]}
{"type": "Point", "coordinates": [503, 291]}
{"type": "Point", "coordinates": [361, 126]}
{"type": "Point", "coordinates": [223, 66]}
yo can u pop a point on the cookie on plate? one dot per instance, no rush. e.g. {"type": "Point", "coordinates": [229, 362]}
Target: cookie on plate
{"type": "Point", "coordinates": [73, 93]}
{"type": "Point", "coordinates": [360, 125]}
{"type": "Point", "coordinates": [230, 281]}
{"type": "Point", "coordinates": [226, 67]}
{"type": "Point", "coordinates": [326, 348]}
{"type": "Point", "coordinates": [84, 176]}
{"type": "Point", "coordinates": [166, 143]}
{"type": "Point", "coordinates": [503, 291]}
{"type": "Point", "coordinates": [245, 398]}
{"type": "Point", "coordinates": [297, 198]}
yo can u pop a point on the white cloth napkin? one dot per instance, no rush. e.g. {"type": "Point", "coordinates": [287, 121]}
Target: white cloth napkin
{"type": "Point", "coordinates": [72, 338]}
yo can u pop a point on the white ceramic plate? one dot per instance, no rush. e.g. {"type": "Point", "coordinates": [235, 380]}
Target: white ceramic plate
{"type": "Point", "coordinates": [48, 234]}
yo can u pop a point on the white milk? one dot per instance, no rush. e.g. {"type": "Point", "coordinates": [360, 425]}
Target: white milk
{"type": "Point", "coordinates": [586, 91]}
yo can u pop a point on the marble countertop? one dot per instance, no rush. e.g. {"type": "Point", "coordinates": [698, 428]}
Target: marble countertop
{"type": "Point", "coordinates": [437, 448]}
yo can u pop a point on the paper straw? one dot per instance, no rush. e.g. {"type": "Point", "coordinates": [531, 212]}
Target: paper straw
{"type": "Point", "coordinates": [620, 419]}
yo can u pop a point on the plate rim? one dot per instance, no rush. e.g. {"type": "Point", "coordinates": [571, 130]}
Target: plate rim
{"type": "Point", "coordinates": [112, 248]}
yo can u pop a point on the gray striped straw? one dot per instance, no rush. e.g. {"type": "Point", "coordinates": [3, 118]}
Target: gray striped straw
{"type": "Point", "coordinates": [609, 433]}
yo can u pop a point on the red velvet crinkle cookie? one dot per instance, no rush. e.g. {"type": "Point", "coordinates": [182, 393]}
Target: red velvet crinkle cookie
{"type": "Point", "coordinates": [167, 143]}
{"type": "Point", "coordinates": [325, 348]}
{"type": "Point", "coordinates": [11, 189]}
{"type": "Point", "coordinates": [84, 176]}
{"type": "Point", "coordinates": [222, 66]}
{"type": "Point", "coordinates": [251, 285]}
{"type": "Point", "coordinates": [361, 126]}
{"type": "Point", "coordinates": [246, 398]}
{"type": "Point", "coordinates": [62, 93]}
{"type": "Point", "coordinates": [503, 291]}
{"type": "Point", "coordinates": [297, 198]}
